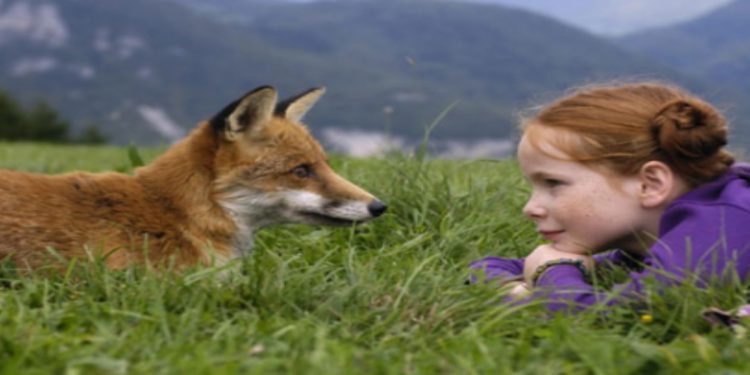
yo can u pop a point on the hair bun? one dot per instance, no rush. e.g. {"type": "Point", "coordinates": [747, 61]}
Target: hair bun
{"type": "Point", "coordinates": [689, 129]}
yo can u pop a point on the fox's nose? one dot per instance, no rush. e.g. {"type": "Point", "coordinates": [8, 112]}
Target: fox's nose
{"type": "Point", "coordinates": [376, 208]}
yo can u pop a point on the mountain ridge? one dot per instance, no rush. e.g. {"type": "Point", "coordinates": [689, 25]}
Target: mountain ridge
{"type": "Point", "coordinates": [715, 46]}
{"type": "Point", "coordinates": [388, 66]}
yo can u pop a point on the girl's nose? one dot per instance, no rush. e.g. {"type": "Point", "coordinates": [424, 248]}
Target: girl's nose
{"type": "Point", "coordinates": [533, 210]}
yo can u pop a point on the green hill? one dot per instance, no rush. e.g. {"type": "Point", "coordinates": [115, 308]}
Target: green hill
{"type": "Point", "coordinates": [493, 60]}
{"type": "Point", "coordinates": [715, 46]}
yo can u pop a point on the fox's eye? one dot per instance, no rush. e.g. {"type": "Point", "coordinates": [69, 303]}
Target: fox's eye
{"type": "Point", "coordinates": [302, 171]}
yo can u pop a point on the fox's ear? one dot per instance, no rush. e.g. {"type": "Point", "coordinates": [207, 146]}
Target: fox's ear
{"type": "Point", "coordinates": [249, 113]}
{"type": "Point", "coordinates": [295, 108]}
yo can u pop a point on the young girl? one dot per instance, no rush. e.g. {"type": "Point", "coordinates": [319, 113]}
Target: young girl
{"type": "Point", "coordinates": [638, 168]}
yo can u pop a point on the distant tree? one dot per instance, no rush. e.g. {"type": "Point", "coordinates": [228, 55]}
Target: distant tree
{"type": "Point", "coordinates": [91, 136]}
{"type": "Point", "coordinates": [45, 124]}
{"type": "Point", "coordinates": [12, 118]}
{"type": "Point", "coordinates": [40, 123]}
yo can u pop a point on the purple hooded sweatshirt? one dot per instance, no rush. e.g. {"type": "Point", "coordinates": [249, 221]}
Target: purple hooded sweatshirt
{"type": "Point", "coordinates": [705, 232]}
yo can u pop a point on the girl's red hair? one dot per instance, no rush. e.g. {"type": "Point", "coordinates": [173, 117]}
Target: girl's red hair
{"type": "Point", "coordinates": [624, 126]}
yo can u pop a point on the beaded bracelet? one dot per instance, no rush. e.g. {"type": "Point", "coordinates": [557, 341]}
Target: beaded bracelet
{"type": "Point", "coordinates": [578, 263]}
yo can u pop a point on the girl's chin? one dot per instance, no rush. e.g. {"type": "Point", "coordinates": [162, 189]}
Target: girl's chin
{"type": "Point", "coordinates": [570, 248]}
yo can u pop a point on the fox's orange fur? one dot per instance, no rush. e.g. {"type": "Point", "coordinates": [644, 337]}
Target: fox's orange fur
{"type": "Point", "coordinates": [251, 166]}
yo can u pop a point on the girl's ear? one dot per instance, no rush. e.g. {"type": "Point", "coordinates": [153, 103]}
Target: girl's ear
{"type": "Point", "coordinates": [657, 184]}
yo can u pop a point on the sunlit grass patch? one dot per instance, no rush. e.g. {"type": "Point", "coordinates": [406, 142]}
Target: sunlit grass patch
{"type": "Point", "coordinates": [385, 297]}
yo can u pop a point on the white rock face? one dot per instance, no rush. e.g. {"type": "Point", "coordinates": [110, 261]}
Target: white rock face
{"type": "Point", "coordinates": [361, 143]}
{"type": "Point", "coordinates": [482, 148]}
{"type": "Point", "coordinates": [160, 121]}
{"type": "Point", "coordinates": [364, 143]}
{"type": "Point", "coordinates": [40, 24]}
{"type": "Point", "coordinates": [27, 66]}
{"type": "Point", "coordinates": [123, 46]}
{"type": "Point", "coordinates": [83, 71]}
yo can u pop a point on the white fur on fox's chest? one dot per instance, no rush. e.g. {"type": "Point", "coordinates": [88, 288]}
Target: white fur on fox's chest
{"type": "Point", "coordinates": [242, 206]}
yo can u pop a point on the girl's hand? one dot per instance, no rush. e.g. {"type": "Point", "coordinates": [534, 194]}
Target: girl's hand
{"type": "Point", "coordinates": [519, 289]}
{"type": "Point", "coordinates": [546, 253]}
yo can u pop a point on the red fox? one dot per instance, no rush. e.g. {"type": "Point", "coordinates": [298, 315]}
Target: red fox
{"type": "Point", "coordinates": [252, 165]}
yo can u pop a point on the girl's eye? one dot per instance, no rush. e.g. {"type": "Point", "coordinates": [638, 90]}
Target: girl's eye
{"type": "Point", "coordinates": [302, 171]}
{"type": "Point", "coordinates": [551, 182]}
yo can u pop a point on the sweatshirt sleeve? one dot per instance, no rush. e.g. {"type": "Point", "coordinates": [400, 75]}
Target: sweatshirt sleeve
{"type": "Point", "coordinates": [502, 269]}
{"type": "Point", "coordinates": [707, 241]}
{"type": "Point", "coordinates": [492, 267]}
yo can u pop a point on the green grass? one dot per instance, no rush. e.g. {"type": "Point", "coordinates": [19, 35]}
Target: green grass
{"type": "Point", "coordinates": [386, 297]}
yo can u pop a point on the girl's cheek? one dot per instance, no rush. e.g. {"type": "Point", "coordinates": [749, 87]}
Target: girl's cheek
{"type": "Point", "coordinates": [578, 208]}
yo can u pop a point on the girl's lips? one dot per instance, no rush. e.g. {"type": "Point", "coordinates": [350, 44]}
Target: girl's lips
{"type": "Point", "coordinates": [550, 235]}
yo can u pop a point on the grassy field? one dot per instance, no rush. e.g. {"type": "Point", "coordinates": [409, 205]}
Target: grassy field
{"type": "Point", "coordinates": [386, 297]}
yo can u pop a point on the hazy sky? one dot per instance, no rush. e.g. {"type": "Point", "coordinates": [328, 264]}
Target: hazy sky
{"type": "Point", "coordinates": [617, 17]}
{"type": "Point", "coordinates": [614, 17]}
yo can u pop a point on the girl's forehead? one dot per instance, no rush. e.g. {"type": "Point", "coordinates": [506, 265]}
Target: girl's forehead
{"type": "Point", "coordinates": [534, 147]}
{"type": "Point", "coordinates": [535, 162]}
{"type": "Point", "coordinates": [544, 159]}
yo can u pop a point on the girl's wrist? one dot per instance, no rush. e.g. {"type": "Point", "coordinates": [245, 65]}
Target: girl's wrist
{"type": "Point", "coordinates": [544, 267]}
